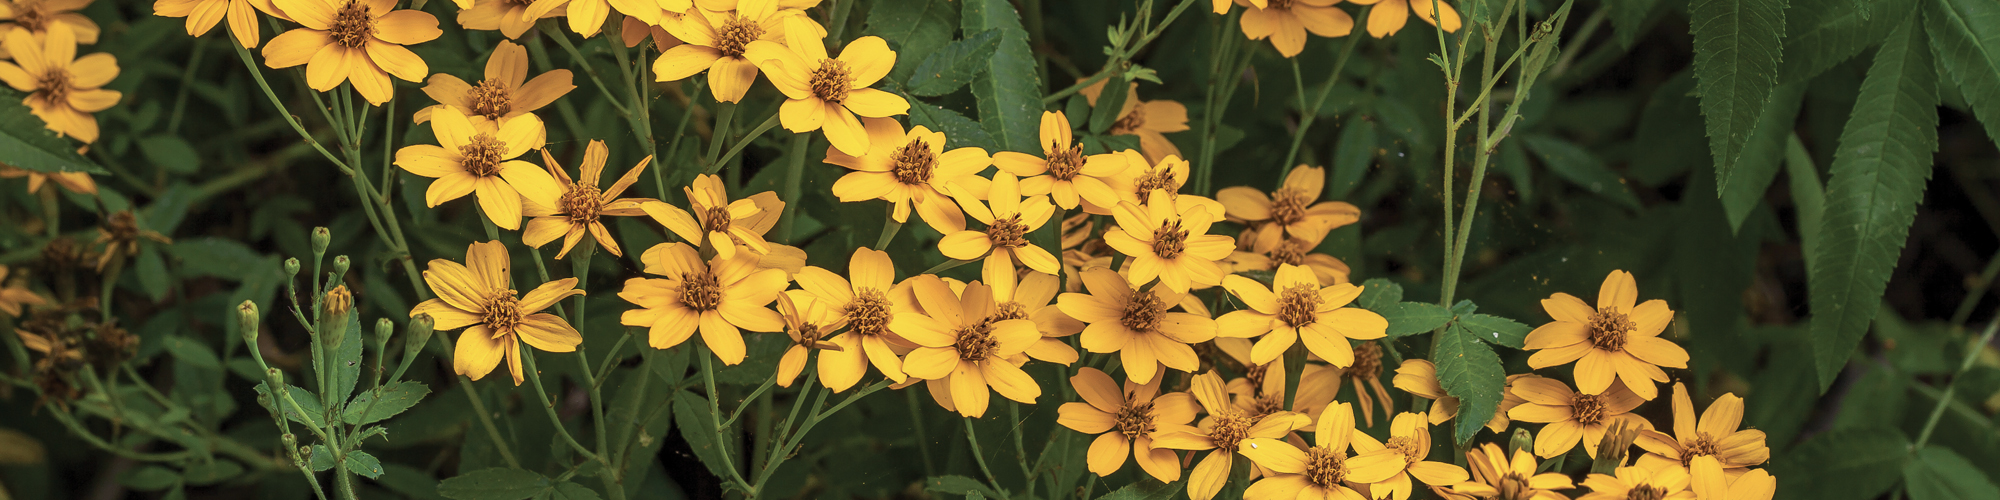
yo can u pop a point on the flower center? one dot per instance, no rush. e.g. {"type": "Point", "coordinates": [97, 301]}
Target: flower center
{"type": "Point", "coordinates": [831, 81]}
{"type": "Point", "coordinates": [482, 155]}
{"type": "Point", "coordinates": [1064, 163]}
{"type": "Point", "coordinates": [976, 343]}
{"type": "Point", "coordinates": [808, 335]}
{"type": "Point", "coordinates": [735, 33]}
{"type": "Point", "coordinates": [700, 291]}
{"type": "Point", "coordinates": [1008, 232]}
{"type": "Point", "coordinates": [1230, 428]}
{"type": "Point", "coordinates": [32, 15]}
{"type": "Point", "coordinates": [503, 313]}
{"type": "Point", "coordinates": [1288, 206]}
{"type": "Point", "coordinates": [1587, 409]}
{"type": "Point", "coordinates": [490, 99]}
{"type": "Point", "coordinates": [1367, 362]}
{"type": "Point", "coordinates": [1161, 179]}
{"type": "Point", "coordinates": [1130, 122]}
{"type": "Point", "coordinates": [1289, 252]}
{"type": "Point", "coordinates": [1169, 240]}
{"type": "Point", "coordinates": [352, 25]}
{"type": "Point", "coordinates": [1135, 419]}
{"type": "Point", "coordinates": [1608, 328]}
{"type": "Point", "coordinates": [1298, 305]}
{"type": "Point", "coordinates": [1267, 404]}
{"type": "Point", "coordinates": [1278, 5]}
{"type": "Point", "coordinates": [582, 203]}
{"type": "Point", "coordinates": [868, 314]}
{"type": "Point", "coordinates": [1008, 310]}
{"type": "Point", "coordinates": [55, 85]}
{"type": "Point", "coordinates": [716, 219]}
{"type": "Point", "coordinates": [1514, 486]}
{"type": "Point", "coordinates": [1703, 445]}
{"type": "Point", "coordinates": [122, 226]}
{"type": "Point", "coordinates": [913, 163]}
{"type": "Point", "coordinates": [1408, 446]}
{"type": "Point", "coordinates": [1142, 312]}
{"type": "Point", "coordinates": [1325, 468]}
{"type": "Point", "coordinates": [1645, 492]}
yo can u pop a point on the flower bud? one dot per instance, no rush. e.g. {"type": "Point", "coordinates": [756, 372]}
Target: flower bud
{"type": "Point", "coordinates": [337, 306]}
{"type": "Point", "coordinates": [320, 238]}
{"type": "Point", "coordinates": [292, 266]}
{"type": "Point", "coordinates": [418, 335]}
{"type": "Point", "coordinates": [276, 377]}
{"type": "Point", "coordinates": [383, 329]}
{"type": "Point", "coordinates": [1612, 449]}
{"type": "Point", "coordinates": [246, 323]}
{"type": "Point", "coordinates": [340, 264]}
{"type": "Point", "coordinates": [1522, 440]}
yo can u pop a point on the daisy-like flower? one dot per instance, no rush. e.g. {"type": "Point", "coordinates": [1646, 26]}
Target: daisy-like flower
{"type": "Point", "coordinates": [811, 324]}
{"type": "Point", "coordinates": [506, 92]}
{"type": "Point", "coordinates": [1614, 341]}
{"type": "Point", "coordinates": [1571, 416]}
{"type": "Point", "coordinates": [1028, 298]}
{"type": "Point", "coordinates": [12, 298]}
{"type": "Point", "coordinates": [720, 298]}
{"type": "Point", "coordinates": [1125, 421]}
{"type": "Point", "coordinates": [1286, 22]}
{"type": "Point", "coordinates": [1292, 210]}
{"type": "Point", "coordinates": [1171, 245]}
{"type": "Point", "coordinates": [38, 16]}
{"type": "Point", "coordinates": [1639, 482]}
{"type": "Point", "coordinates": [1389, 16]}
{"type": "Point", "coordinates": [479, 297]}
{"type": "Point", "coordinates": [1296, 308]}
{"type": "Point", "coordinates": [62, 88]}
{"type": "Point", "coordinates": [1063, 172]}
{"type": "Point", "coordinates": [717, 42]}
{"type": "Point", "coordinates": [1008, 221]}
{"type": "Point", "coordinates": [909, 170]}
{"type": "Point", "coordinates": [1494, 475]}
{"type": "Point", "coordinates": [1711, 449]}
{"type": "Point", "coordinates": [717, 221]}
{"type": "Point", "coordinates": [1753, 485]}
{"type": "Point", "coordinates": [1228, 430]}
{"type": "Point", "coordinates": [586, 17]}
{"type": "Point", "coordinates": [1261, 391]}
{"type": "Point", "coordinates": [827, 93]}
{"type": "Point", "coordinates": [1419, 378]}
{"type": "Point", "coordinates": [1150, 120]}
{"type": "Point", "coordinates": [1136, 325]}
{"type": "Point", "coordinates": [202, 15]}
{"type": "Point", "coordinates": [1387, 468]}
{"type": "Point", "coordinates": [357, 41]}
{"type": "Point", "coordinates": [633, 31]}
{"type": "Point", "coordinates": [963, 349]}
{"type": "Point", "coordinates": [75, 182]}
{"type": "Point", "coordinates": [578, 210]}
{"type": "Point", "coordinates": [1292, 251]}
{"type": "Point", "coordinates": [867, 305]}
{"type": "Point", "coordinates": [1318, 471]}
{"type": "Point", "coordinates": [471, 160]}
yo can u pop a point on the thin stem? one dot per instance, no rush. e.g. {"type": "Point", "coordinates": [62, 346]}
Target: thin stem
{"type": "Point", "coordinates": [715, 417]}
{"type": "Point", "coordinates": [549, 28]}
{"type": "Point", "coordinates": [187, 77]}
{"type": "Point", "coordinates": [78, 429]}
{"type": "Point", "coordinates": [492, 431]}
{"type": "Point", "coordinates": [673, 150]}
{"type": "Point", "coordinates": [716, 166]}
{"type": "Point", "coordinates": [745, 404]}
{"type": "Point", "coordinates": [1977, 292]}
{"type": "Point", "coordinates": [1309, 114]}
{"type": "Point", "coordinates": [724, 113]}
{"type": "Point", "coordinates": [795, 170]}
{"type": "Point", "coordinates": [1937, 410]}
{"type": "Point", "coordinates": [534, 376]}
{"type": "Point", "coordinates": [979, 456]}
{"type": "Point", "coordinates": [890, 227]}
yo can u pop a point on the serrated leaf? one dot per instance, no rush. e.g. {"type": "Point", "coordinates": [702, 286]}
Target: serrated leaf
{"type": "Point", "coordinates": [1469, 370]}
{"type": "Point", "coordinates": [571, 491]}
{"type": "Point", "coordinates": [360, 462]}
{"type": "Point", "coordinates": [1736, 47]}
{"type": "Point", "coordinates": [1822, 33]}
{"type": "Point", "coordinates": [957, 485]}
{"type": "Point", "coordinates": [26, 141]}
{"type": "Point", "coordinates": [1855, 464]}
{"type": "Point", "coordinates": [1144, 489]}
{"type": "Point", "coordinates": [1009, 94]}
{"type": "Point", "coordinates": [1579, 167]}
{"type": "Point", "coordinates": [321, 459]}
{"type": "Point", "coordinates": [393, 400]}
{"type": "Point", "coordinates": [1411, 318]}
{"type": "Point", "coordinates": [1879, 172]}
{"type": "Point", "coordinates": [692, 417]}
{"type": "Point", "coordinates": [947, 69]}
{"type": "Point", "coordinates": [1111, 99]}
{"type": "Point", "coordinates": [497, 483]}
{"type": "Point", "coordinates": [914, 28]}
{"type": "Point", "coordinates": [306, 401]}
{"type": "Point", "coordinates": [347, 362]}
{"type": "Point", "coordinates": [959, 131]}
{"type": "Point", "coordinates": [1761, 154]}
{"type": "Point", "coordinates": [1496, 330]}
{"type": "Point", "coordinates": [1938, 473]}
{"type": "Point", "coordinates": [1966, 35]}
{"type": "Point", "coordinates": [1808, 195]}
{"type": "Point", "coordinates": [1378, 294]}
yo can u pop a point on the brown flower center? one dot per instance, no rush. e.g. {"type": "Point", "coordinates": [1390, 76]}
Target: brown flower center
{"type": "Point", "coordinates": [868, 313]}
{"type": "Point", "coordinates": [1161, 179]}
{"type": "Point", "coordinates": [1289, 252]}
{"type": "Point", "coordinates": [1587, 409]}
{"type": "Point", "coordinates": [582, 203]}
{"type": "Point", "coordinates": [1367, 362]}
{"type": "Point", "coordinates": [1169, 240]}
{"type": "Point", "coordinates": [831, 81]}
{"type": "Point", "coordinates": [1008, 310]}
{"type": "Point", "coordinates": [1298, 305]}
{"type": "Point", "coordinates": [1704, 444]}
{"type": "Point", "coordinates": [1142, 312]}
{"type": "Point", "coordinates": [1135, 419]}
{"type": "Point", "coordinates": [1131, 121]}
{"type": "Point", "coordinates": [352, 25]}
{"type": "Point", "coordinates": [32, 15]}
{"type": "Point", "coordinates": [1408, 446]}
{"type": "Point", "coordinates": [1608, 328]}
{"type": "Point", "coordinates": [55, 85]}
{"type": "Point", "coordinates": [1064, 163]}
{"type": "Point", "coordinates": [976, 342]}
{"type": "Point", "coordinates": [808, 335]}
{"type": "Point", "coordinates": [716, 219]}
{"type": "Point", "coordinates": [503, 313]}
{"type": "Point", "coordinates": [1278, 5]}
{"type": "Point", "coordinates": [700, 291]}
{"type": "Point", "coordinates": [1645, 492]}
{"type": "Point", "coordinates": [490, 99]}
{"type": "Point", "coordinates": [1514, 486]}
{"type": "Point", "coordinates": [121, 226]}
{"type": "Point", "coordinates": [913, 163]}
{"type": "Point", "coordinates": [735, 33]}
{"type": "Point", "coordinates": [1325, 468]}
{"type": "Point", "coordinates": [1229, 428]}
{"type": "Point", "coordinates": [1008, 232]}
{"type": "Point", "coordinates": [482, 155]}
{"type": "Point", "coordinates": [1267, 404]}
{"type": "Point", "coordinates": [1288, 206]}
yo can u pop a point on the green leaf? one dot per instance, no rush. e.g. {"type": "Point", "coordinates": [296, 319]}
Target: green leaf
{"type": "Point", "coordinates": [360, 462]}
{"type": "Point", "coordinates": [411, 482]}
{"type": "Point", "coordinates": [26, 141]}
{"type": "Point", "coordinates": [1144, 489]}
{"type": "Point", "coordinates": [347, 362]}
{"type": "Point", "coordinates": [192, 352]}
{"type": "Point", "coordinates": [1822, 33]}
{"type": "Point", "coordinates": [1411, 318]}
{"type": "Point", "coordinates": [321, 459]}
{"type": "Point", "coordinates": [959, 131]}
{"type": "Point", "coordinates": [571, 491]}
{"type": "Point", "coordinates": [212, 257]}
{"type": "Point", "coordinates": [1579, 167]}
{"type": "Point", "coordinates": [1670, 127]}
{"type": "Point", "coordinates": [957, 485]}
{"type": "Point", "coordinates": [149, 478]}
{"type": "Point", "coordinates": [1111, 100]}
{"type": "Point", "coordinates": [1966, 35]}
{"type": "Point", "coordinates": [1808, 196]}
{"type": "Point", "coordinates": [306, 401]}
{"type": "Point", "coordinates": [949, 68]}
{"type": "Point", "coordinates": [1855, 464]}
{"type": "Point", "coordinates": [691, 415]}
{"type": "Point", "coordinates": [1009, 94]}
{"type": "Point", "coordinates": [1628, 18]}
{"type": "Point", "coordinates": [1496, 330]}
{"type": "Point", "coordinates": [171, 153]}
{"type": "Point", "coordinates": [153, 273]}
{"type": "Point", "coordinates": [212, 472]}
{"type": "Point", "coordinates": [1879, 173]}
{"type": "Point", "coordinates": [1353, 156]}
{"type": "Point", "coordinates": [497, 483]}
{"type": "Point", "coordinates": [394, 399]}
{"type": "Point", "coordinates": [1378, 294]}
{"type": "Point", "coordinates": [1940, 474]}
{"type": "Point", "coordinates": [914, 28]}
{"type": "Point", "coordinates": [1735, 68]}
{"type": "Point", "coordinates": [669, 364]}
{"type": "Point", "coordinates": [1469, 370]}
{"type": "Point", "coordinates": [1761, 154]}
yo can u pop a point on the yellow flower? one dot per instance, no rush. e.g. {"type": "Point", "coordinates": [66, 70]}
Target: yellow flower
{"type": "Point", "coordinates": [357, 41]}
{"type": "Point", "coordinates": [719, 222]}
{"type": "Point", "coordinates": [868, 306]}
{"type": "Point", "coordinates": [717, 42]}
{"type": "Point", "coordinates": [1319, 471]}
{"type": "Point", "coordinates": [1709, 449]}
{"type": "Point", "coordinates": [1753, 485]}
{"type": "Point", "coordinates": [1286, 22]}
{"type": "Point", "coordinates": [1389, 16]}
{"type": "Point", "coordinates": [1289, 211]}
{"type": "Point", "coordinates": [75, 182]}
{"type": "Point", "coordinates": [717, 297]}
{"type": "Point", "coordinates": [1366, 373]}
{"type": "Point", "coordinates": [635, 30]}
{"type": "Point", "coordinates": [470, 159]}
{"type": "Point", "coordinates": [1227, 430]}
{"type": "Point", "coordinates": [1149, 120]}
{"type": "Point", "coordinates": [1388, 467]}
{"type": "Point", "coordinates": [1136, 325]}
{"type": "Point", "coordinates": [1008, 223]}
{"type": "Point", "coordinates": [1639, 482]}
{"type": "Point", "coordinates": [63, 89]}
{"type": "Point", "coordinates": [1029, 299]}
{"type": "Point", "coordinates": [1614, 341]}
{"type": "Point", "coordinates": [478, 296]}
{"type": "Point", "coordinates": [577, 211]}
{"type": "Point", "coordinates": [1419, 378]}
{"type": "Point", "coordinates": [13, 297]}
{"type": "Point", "coordinates": [39, 16]}
{"type": "Point", "coordinates": [963, 349]}
{"type": "Point", "coordinates": [827, 93]}
{"type": "Point", "coordinates": [1496, 476]}
{"type": "Point", "coordinates": [1262, 391]}
{"type": "Point", "coordinates": [1328, 269]}
{"type": "Point", "coordinates": [1571, 416]}
{"type": "Point", "coordinates": [203, 14]}
{"type": "Point", "coordinates": [503, 95]}
{"type": "Point", "coordinates": [586, 17]}
{"type": "Point", "coordinates": [1124, 421]}
{"type": "Point", "coordinates": [1169, 244]}
{"type": "Point", "coordinates": [509, 17]}
{"type": "Point", "coordinates": [909, 170]}
{"type": "Point", "coordinates": [811, 324]}
{"type": "Point", "coordinates": [1296, 308]}
{"type": "Point", "coordinates": [1222, 6]}
{"type": "Point", "coordinates": [1063, 172]}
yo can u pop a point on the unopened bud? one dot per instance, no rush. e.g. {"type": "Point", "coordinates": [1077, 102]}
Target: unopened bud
{"type": "Point", "coordinates": [276, 377]}
{"type": "Point", "coordinates": [1522, 440]}
{"type": "Point", "coordinates": [383, 329]}
{"type": "Point", "coordinates": [290, 440]}
{"type": "Point", "coordinates": [340, 265]}
{"type": "Point", "coordinates": [337, 306]}
{"type": "Point", "coordinates": [246, 323]}
{"type": "Point", "coordinates": [292, 266]}
{"type": "Point", "coordinates": [418, 335]}
{"type": "Point", "coordinates": [1612, 449]}
{"type": "Point", "coordinates": [320, 238]}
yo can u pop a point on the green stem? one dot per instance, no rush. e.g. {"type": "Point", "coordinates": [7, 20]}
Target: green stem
{"type": "Point", "coordinates": [745, 404]}
{"type": "Point", "coordinates": [724, 113]}
{"type": "Point", "coordinates": [979, 456]}
{"type": "Point", "coordinates": [534, 376]}
{"type": "Point", "coordinates": [716, 166]}
{"type": "Point", "coordinates": [794, 175]}
{"type": "Point", "coordinates": [715, 417]}
{"type": "Point", "coordinates": [1311, 113]}
{"type": "Point", "coordinates": [549, 28]}
{"type": "Point", "coordinates": [1937, 410]}
{"type": "Point", "coordinates": [187, 78]}
{"type": "Point", "coordinates": [890, 227]}
{"type": "Point", "coordinates": [492, 431]}
{"type": "Point", "coordinates": [917, 420]}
